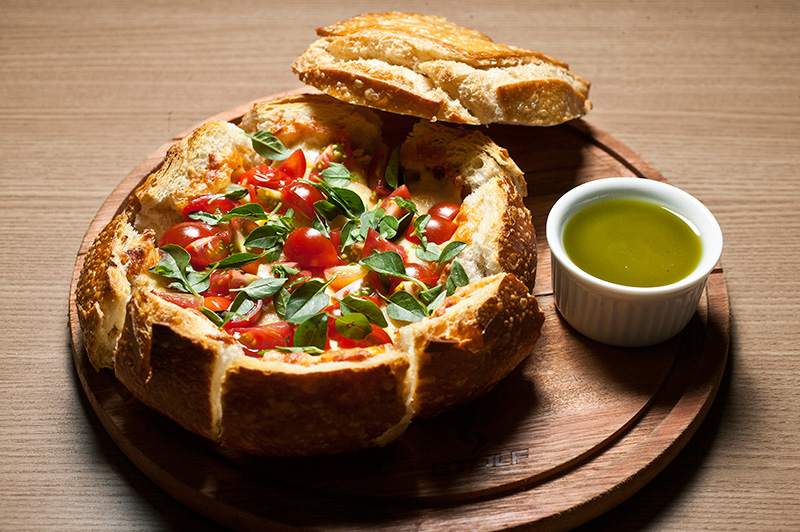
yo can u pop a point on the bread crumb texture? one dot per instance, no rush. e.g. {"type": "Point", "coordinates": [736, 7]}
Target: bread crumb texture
{"type": "Point", "coordinates": [425, 66]}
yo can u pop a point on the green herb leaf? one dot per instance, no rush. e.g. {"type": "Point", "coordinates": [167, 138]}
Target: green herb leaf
{"type": "Point", "coordinates": [235, 192]}
{"type": "Point", "coordinates": [283, 271]}
{"type": "Point", "coordinates": [405, 307]}
{"type": "Point", "coordinates": [215, 318]}
{"type": "Point", "coordinates": [309, 299]}
{"type": "Point", "coordinates": [237, 260]}
{"type": "Point", "coordinates": [392, 174]}
{"type": "Point", "coordinates": [458, 277]}
{"type": "Point", "coordinates": [265, 237]}
{"type": "Point", "coordinates": [385, 262]}
{"type": "Point", "coordinates": [267, 145]}
{"type": "Point", "coordinates": [420, 222]}
{"type": "Point", "coordinates": [337, 175]}
{"type": "Point", "coordinates": [440, 296]}
{"type": "Point", "coordinates": [174, 264]}
{"type": "Point", "coordinates": [429, 296]}
{"type": "Point", "coordinates": [207, 217]}
{"type": "Point", "coordinates": [321, 225]}
{"type": "Point", "coordinates": [350, 233]}
{"type": "Point", "coordinates": [429, 252]}
{"type": "Point", "coordinates": [388, 226]}
{"type": "Point", "coordinates": [373, 313]}
{"type": "Point", "coordinates": [327, 209]}
{"type": "Point", "coordinates": [451, 250]}
{"type": "Point", "coordinates": [308, 349]}
{"type": "Point", "coordinates": [355, 326]}
{"type": "Point", "coordinates": [406, 204]}
{"type": "Point", "coordinates": [280, 300]}
{"type": "Point", "coordinates": [262, 288]}
{"type": "Point", "coordinates": [313, 332]}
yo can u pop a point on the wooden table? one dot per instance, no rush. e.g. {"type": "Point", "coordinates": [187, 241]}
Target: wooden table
{"type": "Point", "coordinates": [705, 92]}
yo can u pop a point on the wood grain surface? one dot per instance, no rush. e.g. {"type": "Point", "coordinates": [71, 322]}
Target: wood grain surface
{"type": "Point", "coordinates": [706, 92]}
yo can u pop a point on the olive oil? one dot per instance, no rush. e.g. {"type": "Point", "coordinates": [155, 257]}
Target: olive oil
{"type": "Point", "coordinates": [632, 242]}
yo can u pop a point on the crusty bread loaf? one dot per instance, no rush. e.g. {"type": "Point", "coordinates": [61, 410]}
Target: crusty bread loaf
{"type": "Point", "coordinates": [425, 66]}
{"type": "Point", "coordinates": [177, 362]}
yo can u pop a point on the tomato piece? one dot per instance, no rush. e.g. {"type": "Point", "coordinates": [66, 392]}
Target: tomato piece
{"type": "Point", "coordinates": [210, 203]}
{"type": "Point", "coordinates": [438, 230]}
{"type": "Point", "coordinates": [337, 152]}
{"type": "Point", "coordinates": [184, 233]}
{"type": "Point", "coordinates": [246, 320]}
{"type": "Point", "coordinates": [207, 250]}
{"type": "Point", "coordinates": [219, 283]}
{"type": "Point", "coordinates": [295, 165]}
{"type": "Point", "coordinates": [401, 191]}
{"type": "Point", "coordinates": [239, 229]}
{"type": "Point", "coordinates": [377, 337]}
{"type": "Point", "coordinates": [301, 197]}
{"type": "Point", "coordinates": [344, 275]}
{"type": "Point", "coordinates": [375, 242]}
{"type": "Point", "coordinates": [376, 174]}
{"type": "Point", "coordinates": [188, 301]}
{"type": "Point", "coordinates": [270, 336]}
{"type": "Point", "coordinates": [445, 209]}
{"type": "Point", "coordinates": [310, 248]}
{"type": "Point", "coordinates": [265, 176]}
{"type": "Point", "coordinates": [217, 303]}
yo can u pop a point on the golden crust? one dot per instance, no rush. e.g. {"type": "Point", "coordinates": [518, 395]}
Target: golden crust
{"type": "Point", "coordinates": [177, 362]}
{"type": "Point", "coordinates": [428, 67]}
{"type": "Point", "coordinates": [329, 408]}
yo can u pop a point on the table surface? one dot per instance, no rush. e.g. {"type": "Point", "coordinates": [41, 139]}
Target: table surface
{"type": "Point", "coordinates": [708, 93]}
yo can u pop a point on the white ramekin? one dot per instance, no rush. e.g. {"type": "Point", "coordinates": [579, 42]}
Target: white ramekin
{"type": "Point", "coordinates": [624, 315]}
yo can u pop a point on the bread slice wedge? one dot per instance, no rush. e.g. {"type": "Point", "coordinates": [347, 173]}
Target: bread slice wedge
{"type": "Point", "coordinates": [426, 66]}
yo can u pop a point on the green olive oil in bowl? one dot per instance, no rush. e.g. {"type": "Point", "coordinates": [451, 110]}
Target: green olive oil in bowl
{"type": "Point", "coordinates": [632, 242]}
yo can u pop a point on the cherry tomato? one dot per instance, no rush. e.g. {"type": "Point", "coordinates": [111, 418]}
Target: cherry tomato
{"type": "Point", "coordinates": [445, 209]}
{"type": "Point", "coordinates": [216, 303]}
{"type": "Point", "coordinates": [265, 176]}
{"type": "Point", "coordinates": [337, 152]}
{"type": "Point", "coordinates": [438, 230]}
{"type": "Point", "coordinates": [182, 300]}
{"type": "Point", "coordinates": [246, 320]}
{"type": "Point", "coordinates": [375, 242]}
{"type": "Point", "coordinates": [207, 250]}
{"type": "Point", "coordinates": [219, 283]}
{"type": "Point", "coordinates": [295, 165]}
{"type": "Point", "coordinates": [270, 336]}
{"type": "Point", "coordinates": [422, 273]}
{"type": "Point", "coordinates": [377, 337]}
{"type": "Point", "coordinates": [310, 248]}
{"type": "Point", "coordinates": [344, 275]}
{"type": "Point", "coordinates": [336, 239]}
{"type": "Point", "coordinates": [211, 203]}
{"type": "Point", "coordinates": [301, 197]}
{"type": "Point", "coordinates": [401, 191]}
{"type": "Point", "coordinates": [376, 174]}
{"type": "Point", "coordinates": [239, 229]}
{"type": "Point", "coordinates": [183, 233]}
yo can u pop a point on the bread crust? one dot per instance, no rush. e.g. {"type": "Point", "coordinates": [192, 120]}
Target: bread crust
{"type": "Point", "coordinates": [176, 361]}
{"type": "Point", "coordinates": [428, 67]}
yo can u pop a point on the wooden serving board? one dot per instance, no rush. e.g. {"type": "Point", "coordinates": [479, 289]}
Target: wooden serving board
{"type": "Point", "coordinates": [572, 432]}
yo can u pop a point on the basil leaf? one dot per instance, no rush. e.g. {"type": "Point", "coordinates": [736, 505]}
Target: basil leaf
{"type": "Point", "coordinates": [237, 260]}
{"type": "Point", "coordinates": [215, 318]}
{"type": "Point", "coordinates": [458, 277]}
{"type": "Point", "coordinates": [451, 250]}
{"type": "Point", "coordinates": [262, 288]}
{"type": "Point", "coordinates": [429, 252]}
{"type": "Point", "coordinates": [420, 222]}
{"type": "Point", "coordinates": [373, 313]}
{"type": "Point", "coordinates": [327, 209]}
{"type": "Point", "coordinates": [337, 175]}
{"type": "Point", "coordinates": [252, 211]}
{"type": "Point", "coordinates": [393, 168]}
{"type": "Point", "coordinates": [350, 200]}
{"type": "Point", "coordinates": [174, 264]}
{"type": "Point", "coordinates": [388, 226]}
{"type": "Point", "coordinates": [385, 262]}
{"type": "Point", "coordinates": [235, 192]}
{"type": "Point", "coordinates": [406, 204]}
{"type": "Point", "coordinates": [405, 307]}
{"type": "Point", "coordinates": [321, 225]}
{"type": "Point", "coordinates": [207, 217]}
{"type": "Point", "coordinates": [279, 301]}
{"type": "Point", "coordinates": [350, 233]}
{"type": "Point", "coordinates": [437, 301]}
{"type": "Point", "coordinates": [241, 305]}
{"type": "Point", "coordinates": [355, 326]}
{"type": "Point", "coordinates": [267, 145]}
{"type": "Point", "coordinates": [264, 237]}
{"type": "Point", "coordinates": [309, 299]}
{"type": "Point", "coordinates": [283, 271]}
{"type": "Point", "coordinates": [312, 332]}
{"type": "Point", "coordinates": [429, 296]}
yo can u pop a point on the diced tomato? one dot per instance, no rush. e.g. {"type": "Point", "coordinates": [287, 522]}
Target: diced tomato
{"type": "Point", "coordinates": [438, 230]}
{"type": "Point", "coordinates": [216, 303]}
{"type": "Point", "coordinates": [207, 250]}
{"type": "Point", "coordinates": [210, 203]}
{"type": "Point", "coordinates": [247, 320]}
{"type": "Point", "coordinates": [183, 233]}
{"type": "Point", "coordinates": [310, 248]}
{"type": "Point", "coordinates": [337, 152]}
{"type": "Point", "coordinates": [295, 165]}
{"type": "Point", "coordinates": [265, 176]}
{"type": "Point", "coordinates": [445, 209]}
{"type": "Point", "coordinates": [376, 174]}
{"type": "Point", "coordinates": [375, 242]}
{"type": "Point", "coordinates": [270, 336]}
{"type": "Point", "coordinates": [188, 301]}
{"type": "Point", "coordinates": [301, 197]}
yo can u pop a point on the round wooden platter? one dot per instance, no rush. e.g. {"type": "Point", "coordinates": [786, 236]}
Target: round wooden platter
{"type": "Point", "coordinates": [572, 432]}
